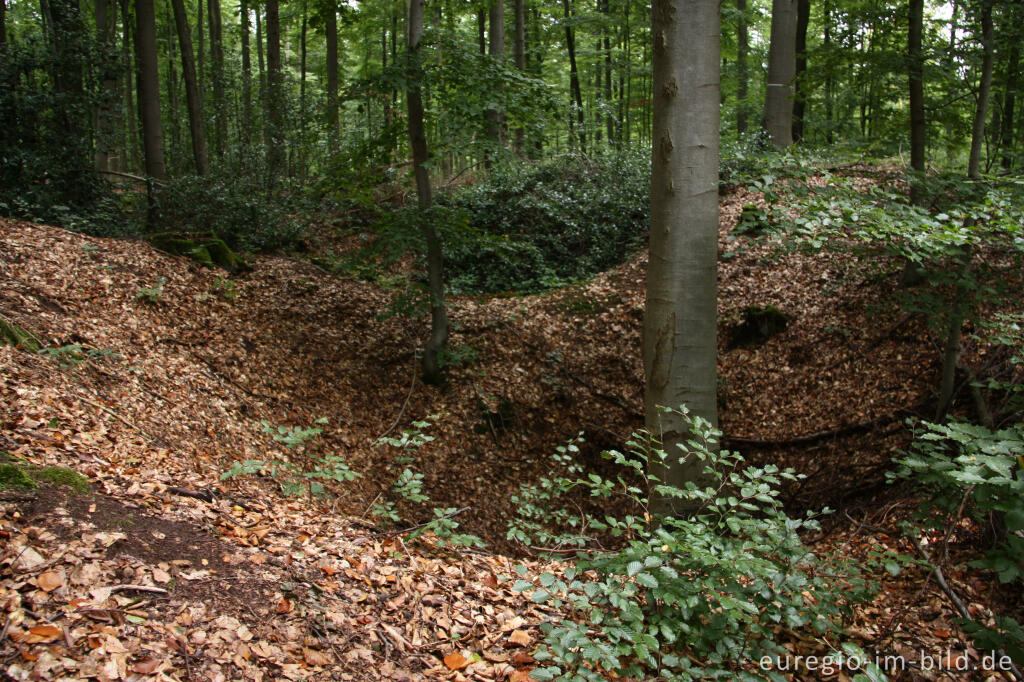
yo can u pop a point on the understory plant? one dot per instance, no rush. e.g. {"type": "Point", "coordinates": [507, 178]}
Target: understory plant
{"type": "Point", "coordinates": [971, 472]}
{"type": "Point", "coordinates": [708, 595]}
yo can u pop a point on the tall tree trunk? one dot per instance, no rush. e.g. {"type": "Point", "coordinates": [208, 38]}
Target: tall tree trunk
{"type": "Point", "coordinates": [220, 117]}
{"type": "Point", "coordinates": [3, 24]}
{"type": "Point", "coordinates": [418, 143]}
{"type": "Point", "coordinates": [579, 128]}
{"type": "Point", "coordinates": [332, 68]}
{"type": "Point", "coordinates": [261, 69]}
{"type": "Point", "coordinates": [243, 27]}
{"type": "Point", "coordinates": [519, 54]}
{"type": "Point", "coordinates": [481, 30]}
{"type": "Point", "coordinates": [276, 154]}
{"type": "Point", "coordinates": [680, 331]}
{"type": "Point", "coordinates": [131, 144]}
{"type": "Point", "coordinates": [201, 52]}
{"type": "Point", "coordinates": [829, 77]}
{"type": "Point", "coordinates": [149, 88]}
{"type": "Point", "coordinates": [778, 100]}
{"type": "Point", "coordinates": [609, 119]}
{"type": "Point", "coordinates": [302, 91]}
{"type": "Point", "coordinates": [742, 48]}
{"type": "Point", "coordinates": [917, 120]}
{"type": "Point", "coordinates": [171, 81]}
{"type": "Point", "coordinates": [1009, 104]}
{"type": "Point", "coordinates": [984, 91]}
{"type": "Point", "coordinates": [188, 70]}
{"type": "Point", "coordinates": [496, 49]}
{"type": "Point", "coordinates": [803, 16]}
{"type": "Point", "coordinates": [105, 157]}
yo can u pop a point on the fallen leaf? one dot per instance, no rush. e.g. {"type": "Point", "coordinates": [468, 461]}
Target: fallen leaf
{"type": "Point", "coordinates": [44, 633]}
{"type": "Point", "coordinates": [146, 666]}
{"type": "Point", "coordinates": [161, 576]}
{"type": "Point", "coordinates": [50, 580]}
{"type": "Point", "coordinates": [284, 606]}
{"type": "Point", "coordinates": [521, 638]}
{"type": "Point", "coordinates": [314, 657]}
{"type": "Point", "coordinates": [455, 661]}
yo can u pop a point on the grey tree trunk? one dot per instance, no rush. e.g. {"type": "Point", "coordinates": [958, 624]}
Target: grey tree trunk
{"type": "Point", "coordinates": [803, 16]}
{"type": "Point", "coordinates": [331, 23]}
{"type": "Point", "coordinates": [418, 142]}
{"type": "Point", "coordinates": [105, 157]}
{"type": "Point", "coordinates": [680, 327]}
{"type": "Point", "coordinates": [778, 98]}
{"type": "Point", "coordinates": [579, 127]}
{"type": "Point", "coordinates": [1009, 104]}
{"type": "Point", "coordinates": [275, 135]}
{"type": "Point", "coordinates": [188, 69]}
{"type": "Point", "coordinates": [243, 27]}
{"type": "Point", "coordinates": [519, 54]}
{"type": "Point", "coordinates": [917, 120]}
{"type": "Point", "coordinates": [496, 49]}
{"type": "Point", "coordinates": [149, 88]}
{"type": "Point", "coordinates": [220, 117]}
{"type": "Point", "coordinates": [984, 91]}
{"type": "Point", "coordinates": [742, 48]}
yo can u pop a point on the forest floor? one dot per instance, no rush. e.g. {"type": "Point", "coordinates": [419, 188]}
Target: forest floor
{"type": "Point", "coordinates": [164, 571]}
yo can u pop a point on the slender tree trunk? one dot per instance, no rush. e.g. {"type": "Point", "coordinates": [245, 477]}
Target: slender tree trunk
{"type": "Point", "coordinates": [3, 24]}
{"type": "Point", "coordinates": [217, 64]}
{"type": "Point", "coordinates": [332, 68]}
{"type": "Point", "coordinates": [188, 69]}
{"type": "Point", "coordinates": [680, 331]}
{"type": "Point", "coordinates": [742, 48]}
{"type": "Point", "coordinates": [173, 104]}
{"type": "Point", "coordinates": [917, 120]}
{"type": "Point", "coordinates": [951, 351]}
{"type": "Point", "coordinates": [1009, 104]}
{"type": "Point", "coordinates": [519, 54]}
{"type": "Point", "coordinates": [579, 129]}
{"type": "Point", "coordinates": [149, 88]}
{"type": "Point", "coordinates": [131, 146]}
{"type": "Point", "coordinates": [243, 27]}
{"type": "Point", "coordinates": [418, 143]}
{"type": "Point", "coordinates": [261, 69]}
{"type": "Point", "coordinates": [829, 82]}
{"type": "Point", "coordinates": [609, 118]}
{"type": "Point", "coordinates": [105, 157]}
{"type": "Point", "coordinates": [778, 104]}
{"type": "Point", "coordinates": [276, 153]}
{"type": "Point", "coordinates": [803, 16]}
{"type": "Point", "coordinates": [481, 30]}
{"type": "Point", "coordinates": [984, 91]}
{"type": "Point", "coordinates": [496, 49]}
{"type": "Point", "coordinates": [201, 52]}
{"type": "Point", "coordinates": [302, 91]}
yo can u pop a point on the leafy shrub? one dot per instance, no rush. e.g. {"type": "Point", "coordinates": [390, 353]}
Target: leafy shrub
{"type": "Point", "coordinates": [969, 470]}
{"type": "Point", "coordinates": [684, 598]}
{"type": "Point", "coordinates": [533, 226]}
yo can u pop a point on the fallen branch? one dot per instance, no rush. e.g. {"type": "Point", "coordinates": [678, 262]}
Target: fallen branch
{"type": "Point", "coordinates": [821, 435]}
{"type": "Point", "coordinates": [138, 588]}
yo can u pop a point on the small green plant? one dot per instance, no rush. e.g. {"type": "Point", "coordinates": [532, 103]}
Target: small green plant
{"type": "Point", "coordinates": [684, 597]}
{"type": "Point", "coordinates": [154, 293]}
{"type": "Point", "coordinates": [970, 471]}
{"type": "Point", "coordinates": [225, 288]}
{"type": "Point", "coordinates": [295, 479]}
{"type": "Point", "coordinates": [73, 355]}
{"type": "Point", "coordinates": [457, 356]}
{"type": "Point", "coordinates": [408, 486]}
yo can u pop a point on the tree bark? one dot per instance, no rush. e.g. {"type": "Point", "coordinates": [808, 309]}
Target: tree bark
{"type": "Point", "coordinates": [803, 16]}
{"type": "Point", "coordinates": [220, 118]}
{"type": "Point", "coordinates": [984, 91]}
{"type": "Point", "coordinates": [105, 158]}
{"type": "Point", "coordinates": [331, 24]}
{"type": "Point", "coordinates": [579, 129]}
{"type": "Point", "coordinates": [131, 143]}
{"type": "Point", "coordinates": [778, 101]}
{"type": "Point", "coordinates": [149, 88]}
{"type": "Point", "coordinates": [1009, 104]}
{"type": "Point", "coordinates": [275, 96]}
{"type": "Point", "coordinates": [609, 119]}
{"type": "Point", "coordinates": [680, 331]}
{"type": "Point", "coordinates": [418, 143]}
{"type": "Point", "coordinates": [243, 26]}
{"type": "Point", "coordinates": [917, 120]}
{"type": "Point", "coordinates": [496, 49]}
{"type": "Point", "coordinates": [188, 69]}
{"type": "Point", "coordinates": [742, 48]}
{"type": "Point", "coordinates": [519, 54]}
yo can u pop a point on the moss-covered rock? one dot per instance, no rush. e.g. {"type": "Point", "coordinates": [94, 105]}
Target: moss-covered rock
{"type": "Point", "coordinates": [61, 476]}
{"type": "Point", "coordinates": [757, 326]}
{"type": "Point", "coordinates": [14, 476]}
{"type": "Point", "coordinates": [205, 249]}
{"type": "Point", "coordinates": [17, 474]}
{"type": "Point", "coordinates": [19, 337]}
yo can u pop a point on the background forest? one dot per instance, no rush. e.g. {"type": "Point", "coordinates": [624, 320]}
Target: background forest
{"type": "Point", "coordinates": [258, 199]}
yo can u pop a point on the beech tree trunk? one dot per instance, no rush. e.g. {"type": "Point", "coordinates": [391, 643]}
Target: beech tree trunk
{"type": "Point", "coordinates": [579, 128]}
{"type": "Point", "coordinates": [243, 26]}
{"type": "Point", "coordinates": [418, 143]}
{"type": "Point", "coordinates": [984, 91]}
{"type": "Point", "coordinates": [1009, 104]}
{"type": "Point", "coordinates": [742, 48]}
{"type": "Point", "coordinates": [680, 331]}
{"type": "Point", "coordinates": [778, 99]}
{"type": "Point", "coordinates": [803, 16]}
{"type": "Point", "coordinates": [331, 23]}
{"type": "Point", "coordinates": [519, 54]}
{"type": "Point", "coordinates": [105, 158]}
{"type": "Point", "coordinates": [220, 117]}
{"type": "Point", "coordinates": [496, 49]}
{"type": "Point", "coordinates": [276, 155]}
{"type": "Point", "coordinates": [148, 81]}
{"type": "Point", "coordinates": [188, 69]}
{"type": "Point", "coordinates": [917, 120]}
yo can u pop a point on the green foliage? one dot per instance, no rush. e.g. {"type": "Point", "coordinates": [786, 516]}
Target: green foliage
{"type": "Point", "coordinates": [74, 354]}
{"type": "Point", "coordinates": [154, 293]}
{"type": "Point", "coordinates": [969, 470]}
{"type": "Point", "coordinates": [531, 226]}
{"type": "Point", "coordinates": [305, 477]}
{"type": "Point", "coordinates": [683, 597]}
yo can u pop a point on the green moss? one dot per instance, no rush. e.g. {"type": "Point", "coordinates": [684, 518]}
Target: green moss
{"type": "Point", "coordinates": [13, 476]}
{"type": "Point", "coordinates": [206, 250]}
{"type": "Point", "coordinates": [19, 337]}
{"type": "Point", "coordinates": [61, 476]}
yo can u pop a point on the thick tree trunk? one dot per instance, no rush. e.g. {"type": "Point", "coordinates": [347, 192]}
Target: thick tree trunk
{"type": "Point", "coordinates": [984, 91]}
{"type": "Point", "coordinates": [496, 49]}
{"type": "Point", "coordinates": [131, 143]}
{"type": "Point", "coordinates": [579, 128]}
{"type": "Point", "coordinates": [149, 88]}
{"type": "Point", "coordinates": [917, 120]}
{"type": "Point", "coordinates": [1009, 104]}
{"type": "Point", "coordinates": [331, 22]}
{"type": "Point", "coordinates": [680, 332]}
{"type": "Point", "coordinates": [742, 48]}
{"type": "Point", "coordinates": [220, 117]}
{"type": "Point", "coordinates": [188, 69]}
{"type": "Point", "coordinates": [435, 261]}
{"type": "Point", "coordinates": [778, 98]}
{"type": "Point", "coordinates": [3, 24]}
{"type": "Point", "coordinates": [275, 96]}
{"type": "Point", "coordinates": [105, 157]}
{"type": "Point", "coordinates": [803, 16]}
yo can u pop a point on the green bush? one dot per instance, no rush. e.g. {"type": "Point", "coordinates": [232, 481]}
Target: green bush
{"type": "Point", "coordinates": [534, 226]}
{"type": "Point", "coordinates": [683, 598]}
